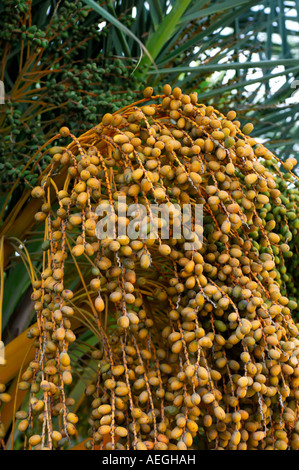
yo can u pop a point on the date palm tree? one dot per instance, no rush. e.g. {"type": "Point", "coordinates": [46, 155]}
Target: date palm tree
{"type": "Point", "coordinates": [68, 63]}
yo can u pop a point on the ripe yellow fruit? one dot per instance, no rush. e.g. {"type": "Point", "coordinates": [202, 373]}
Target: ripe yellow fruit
{"type": "Point", "coordinates": [188, 337]}
{"type": "Point", "coordinates": [99, 304]}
